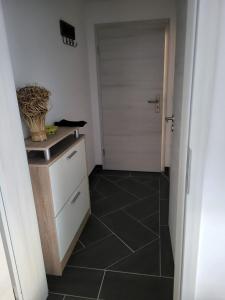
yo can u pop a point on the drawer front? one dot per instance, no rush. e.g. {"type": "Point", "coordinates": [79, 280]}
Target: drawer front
{"type": "Point", "coordinates": [70, 218]}
{"type": "Point", "coordinates": [66, 174]}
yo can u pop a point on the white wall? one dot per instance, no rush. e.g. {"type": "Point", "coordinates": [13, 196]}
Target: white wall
{"type": "Point", "coordinates": [39, 56]}
{"type": "Point", "coordinates": [18, 218]}
{"type": "Point", "coordinates": [108, 11]}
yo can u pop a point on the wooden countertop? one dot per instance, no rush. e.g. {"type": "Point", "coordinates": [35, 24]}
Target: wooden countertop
{"type": "Point", "coordinates": [52, 140]}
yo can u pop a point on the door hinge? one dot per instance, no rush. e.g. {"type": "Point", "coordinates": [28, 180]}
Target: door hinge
{"type": "Point", "coordinates": [103, 152]}
{"type": "Point", "coordinates": [188, 170]}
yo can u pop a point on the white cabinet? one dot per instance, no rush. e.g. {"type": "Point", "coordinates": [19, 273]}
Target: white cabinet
{"type": "Point", "coordinates": [62, 200]}
{"type": "Point", "coordinates": [70, 217]}
{"type": "Point", "coordinates": [66, 174]}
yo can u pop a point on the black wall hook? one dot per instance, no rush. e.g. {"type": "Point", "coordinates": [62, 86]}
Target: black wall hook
{"type": "Point", "coordinates": [68, 34]}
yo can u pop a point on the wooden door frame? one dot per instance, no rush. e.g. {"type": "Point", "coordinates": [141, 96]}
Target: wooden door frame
{"type": "Point", "coordinates": [164, 99]}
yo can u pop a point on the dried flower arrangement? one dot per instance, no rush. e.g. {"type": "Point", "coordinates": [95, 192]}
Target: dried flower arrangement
{"type": "Point", "coordinates": [34, 104]}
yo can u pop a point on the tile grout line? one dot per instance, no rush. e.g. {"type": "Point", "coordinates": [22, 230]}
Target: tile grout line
{"type": "Point", "coordinates": [117, 180]}
{"type": "Point", "coordinates": [100, 288]}
{"type": "Point", "coordinates": [118, 271]}
{"type": "Point", "coordinates": [127, 256]}
{"type": "Point", "coordinates": [124, 190]}
{"type": "Point", "coordinates": [117, 185]}
{"type": "Point", "coordinates": [146, 245]}
{"type": "Point", "coordinates": [143, 183]}
{"type": "Point", "coordinates": [70, 295]}
{"type": "Point", "coordinates": [122, 207]}
{"type": "Point", "coordinates": [113, 183]}
{"type": "Point", "coordinates": [82, 244]}
{"type": "Point", "coordinates": [127, 205]}
{"type": "Point", "coordinates": [94, 243]}
{"type": "Point", "coordinates": [160, 259]}
{"type": "Point", "coordinates": [86, 268]}
{"type": "Point", "coordinates": [165, 176]}
{"type": "Point", "coordinates": [114, 233]}
{"type": "Point", "coordinates": [151, 215]}
{"type": "Point", "coordinates": [138, 274]}
{"type": "Point", "coordinates": [121, 259]}
{"type": "Point", "coordinates": [118, 209]}
{"type": "Point", "coordinates": [138, 221]}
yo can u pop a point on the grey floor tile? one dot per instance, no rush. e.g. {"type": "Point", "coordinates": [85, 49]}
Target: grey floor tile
{"type": "Point", "coordinates": [93, 180]}
{"type": "Point", "coordinates": [164, 212]}
{"type": "Point", "coordinates": [115, 173]}
{"type": "Point", "coordinates": [115, 178]}
{"type": "Point", "coordinates": [152, 222]}
{"type": "Point", "coordinates": [136, 188]}
{"type": "Point", "coordinates": [93, 232]}
{"type": "Point", "coordinates": [118, 286]}
{"type": "Point", "coordinates": [149, 179]}
{"type": "Point", "coordinates": [100, 255]}
{"type": "Point", "coordinates": [145, 174]}
{"type": "Point", "coordinates": [112, 203]}
{"type": "Point", "coordinates": [77, 298]}
{"type": "Point", "coordinates": [164, 188]}
{"type": "Point", "coordinates": [145, 207]}
{"type": "Point", "coordinates": [144, 261]}
{"type": "Point", "coordinates": [129, 230]}
{"type": "Point", "coordinates": [55, 297]}
{"type": "Point", "coordinates": [111, 191]}
{"type": "Point", "coordinates": [167, 264]}
{"type": "Point", "coordinates": [96, 196]}
{"type": "Point", "coordinates": [76, 282]}
{"type": "Point", "coordinates": [78, 247]}
{"type": "Point", "coordinates": [105, 187]}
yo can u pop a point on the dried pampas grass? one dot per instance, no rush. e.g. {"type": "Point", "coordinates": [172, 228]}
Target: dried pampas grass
{"type": "Point", "coordinates": [34, 104]}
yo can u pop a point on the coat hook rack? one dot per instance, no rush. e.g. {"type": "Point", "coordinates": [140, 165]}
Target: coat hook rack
{"type": "Point", "coordinates": [68, 34]}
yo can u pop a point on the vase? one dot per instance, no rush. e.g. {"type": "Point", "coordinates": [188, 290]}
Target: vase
{"type": "Point", "coordinates": [37, 128]}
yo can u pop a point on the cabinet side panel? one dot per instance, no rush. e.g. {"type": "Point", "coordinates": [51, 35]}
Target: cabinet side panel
{"type": "Point", "coordinates": [44, 206]}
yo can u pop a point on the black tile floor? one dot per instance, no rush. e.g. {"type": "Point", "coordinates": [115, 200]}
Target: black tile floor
{"type": "Point", "coordinates": [124, 252]}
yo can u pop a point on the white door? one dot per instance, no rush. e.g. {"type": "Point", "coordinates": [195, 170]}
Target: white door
{"type": "Point", "coordinates": [131, 63]}
{"type": "Point", "coordinates": [184, 74]}
{"type": "Point", "coordinates": [200, 265]}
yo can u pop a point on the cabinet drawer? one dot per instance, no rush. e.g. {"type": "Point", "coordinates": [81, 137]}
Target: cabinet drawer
{"type": "Point", "coordinates": [66, 174]}
{"type": "Point", "coordinates": [69, 219]}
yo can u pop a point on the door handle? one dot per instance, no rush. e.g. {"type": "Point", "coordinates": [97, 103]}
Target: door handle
{"type": "Point", "coordinates": [75, 198]}
{"type": "Point", "coordinates": [153, 101]}
{"type": "Point", "coordinates": [71, 155]}
{"type": "Point", "coordinates": [170, 118]}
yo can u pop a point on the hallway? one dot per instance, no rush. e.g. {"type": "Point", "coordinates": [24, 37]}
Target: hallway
{"type": "Point", "coordinates": [125, 250]}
